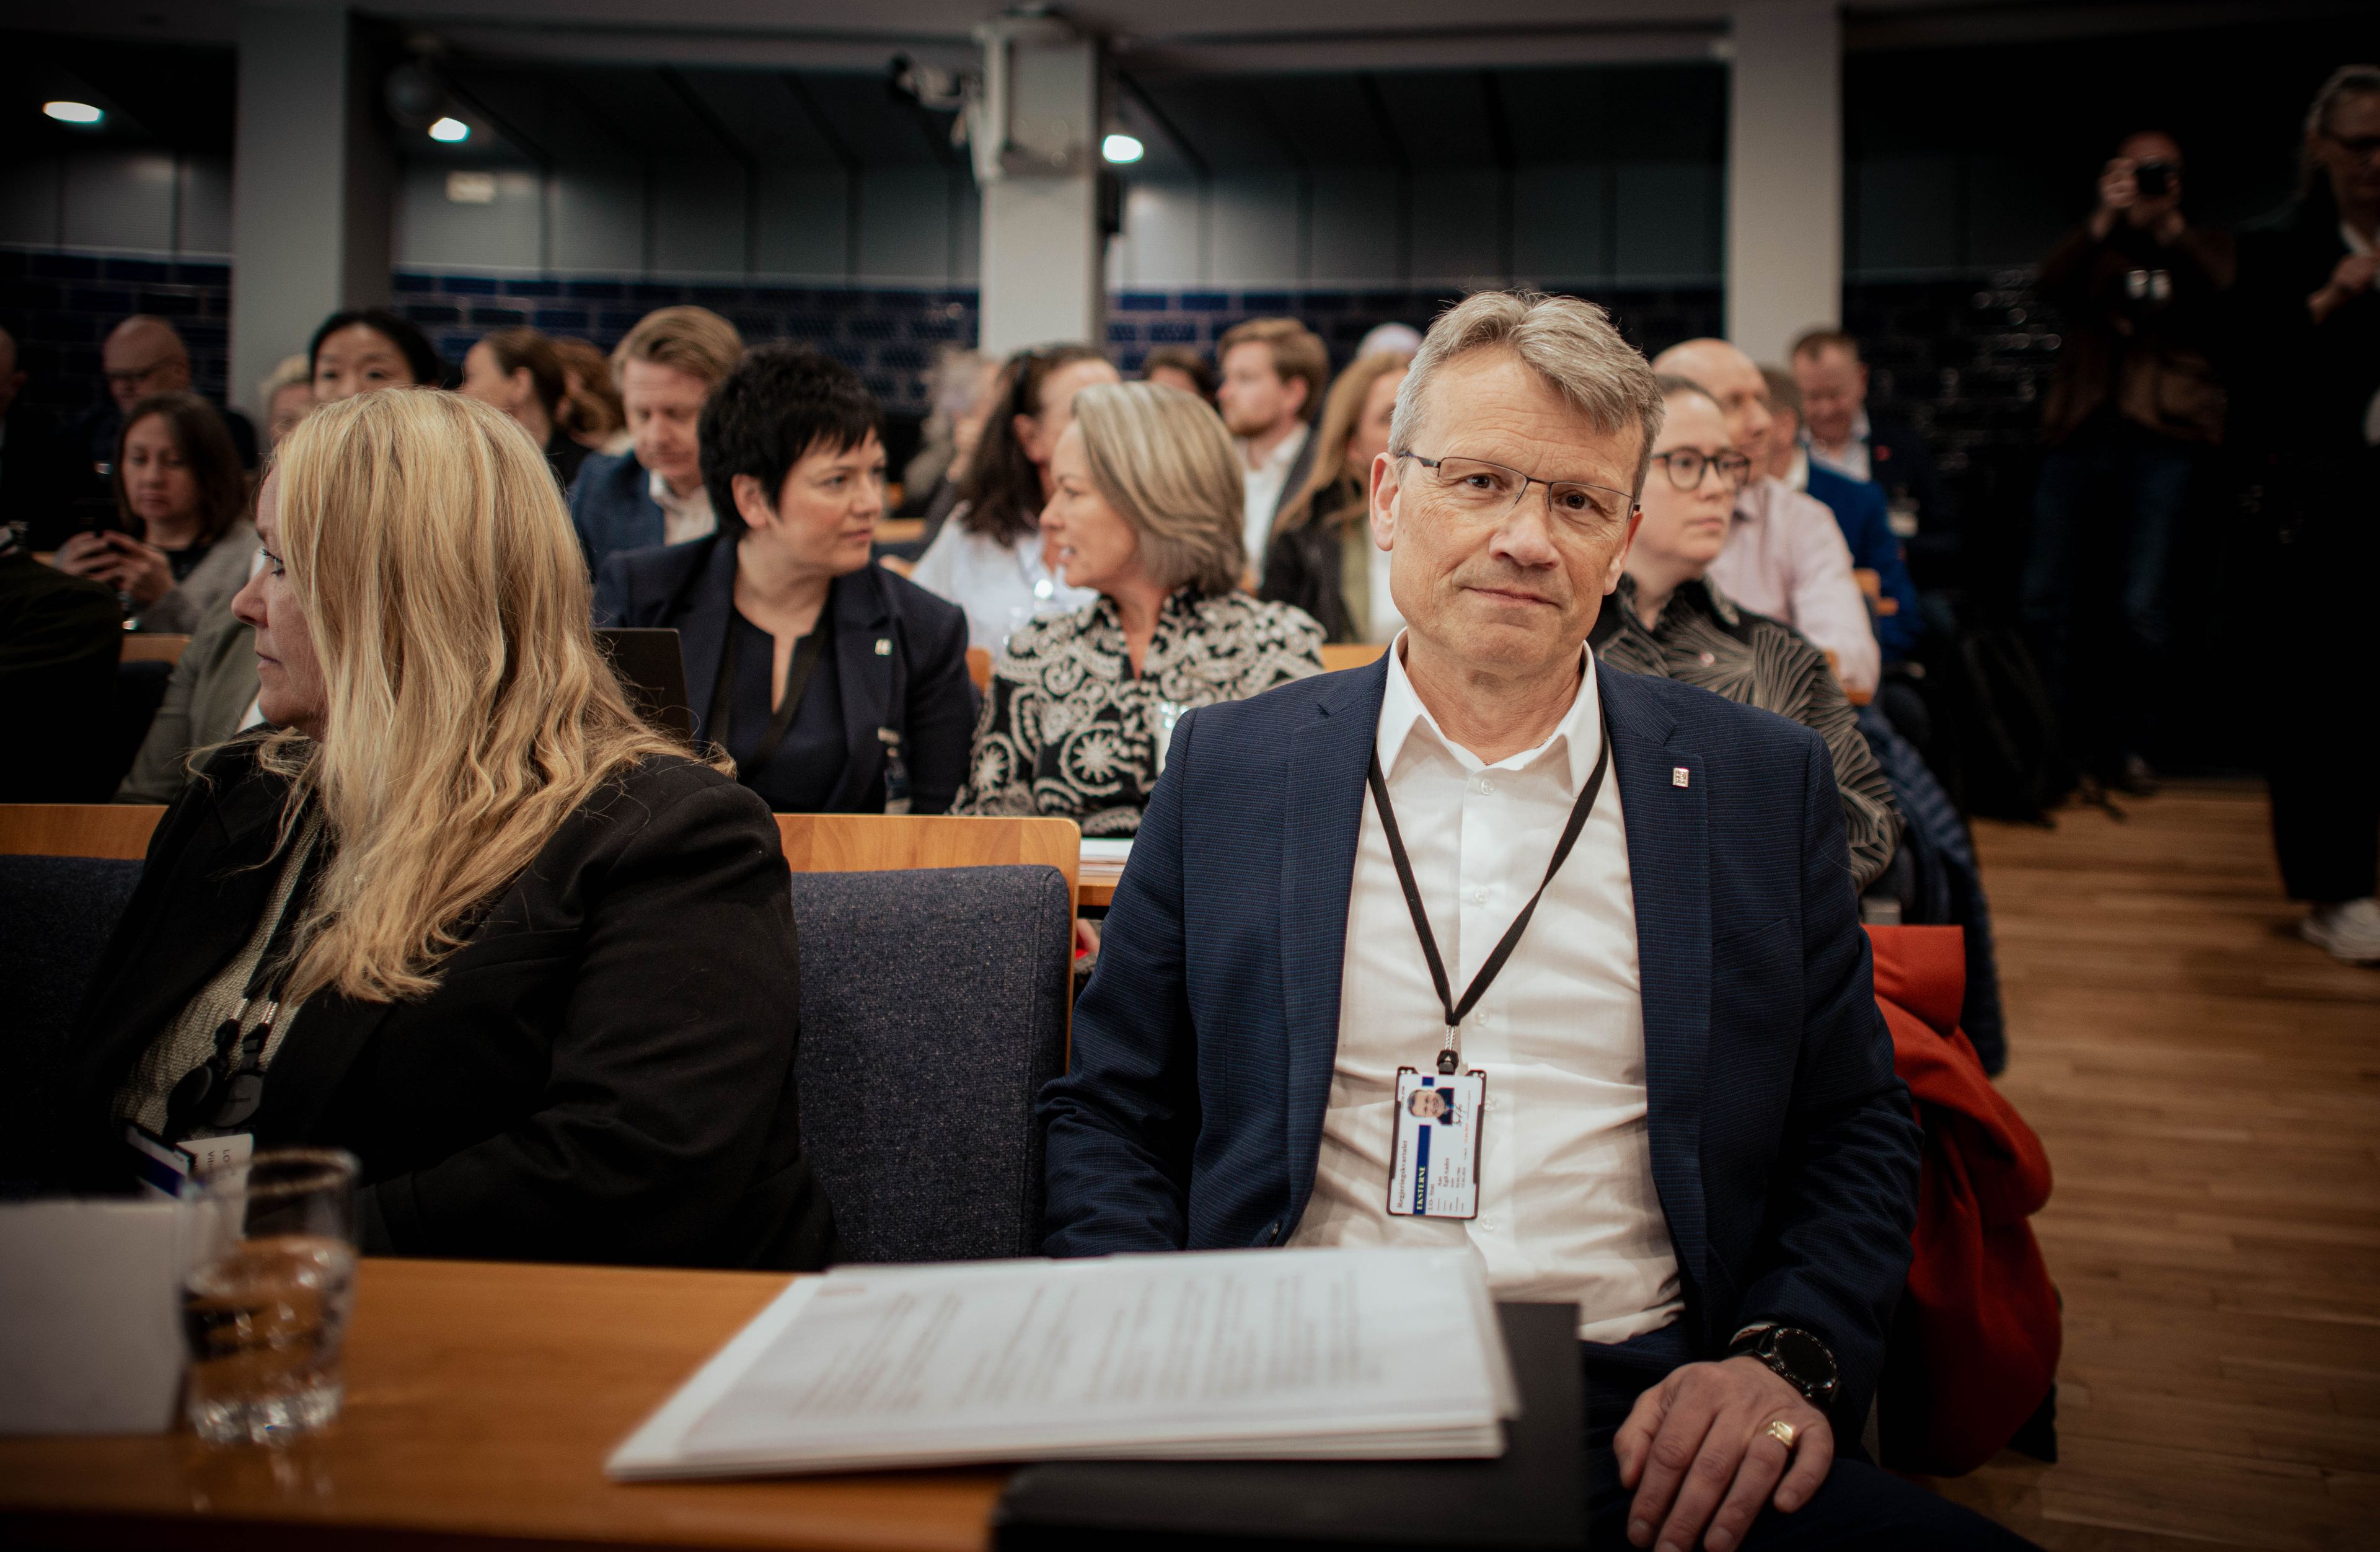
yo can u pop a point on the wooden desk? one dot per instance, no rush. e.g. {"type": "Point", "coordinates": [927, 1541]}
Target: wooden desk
{"type": "Point", "coordinates": [1097, 883]}
{"type": "Point", "coordinates": [481, 1401]}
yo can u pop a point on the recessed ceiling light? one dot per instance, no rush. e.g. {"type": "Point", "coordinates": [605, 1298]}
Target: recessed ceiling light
{"type": "Point", "coordinates": [1122, 149]}
{"type": "Point", "coordinates": [74, 113]}
{"type": "Point", "coordinates": [450, 130]}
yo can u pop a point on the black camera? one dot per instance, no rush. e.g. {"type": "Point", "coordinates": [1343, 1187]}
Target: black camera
{"type": "Point", "coordinates": [2153, 180]}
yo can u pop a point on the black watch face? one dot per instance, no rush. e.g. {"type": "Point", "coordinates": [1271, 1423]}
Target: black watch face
{"type": "Point", "coordinates": [1806, 1358]}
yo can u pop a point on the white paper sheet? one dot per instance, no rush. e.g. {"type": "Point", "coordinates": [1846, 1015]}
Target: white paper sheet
{"type": "Point", "coordinates": [1343, 1353]}
{"type": "Point", "coordinates": [1100, 848]}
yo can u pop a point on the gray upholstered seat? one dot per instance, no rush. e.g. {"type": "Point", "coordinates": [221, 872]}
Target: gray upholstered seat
{"type": "Point", "coordinates": [55, 916]}
{"type": "Point", "coordinates": [933, 1010]}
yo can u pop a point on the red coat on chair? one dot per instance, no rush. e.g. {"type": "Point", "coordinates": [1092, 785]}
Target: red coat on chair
{"type": "Point", "coordinates": [1975, 1345]}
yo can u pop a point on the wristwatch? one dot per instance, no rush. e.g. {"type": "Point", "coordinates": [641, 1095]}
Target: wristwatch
{"type": "Point", "coordinates": [1800, 1359]}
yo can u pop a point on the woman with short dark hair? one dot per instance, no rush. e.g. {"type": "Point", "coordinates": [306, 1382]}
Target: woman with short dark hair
{"type": "Point", "coordinates": [836, 686]}
{"type": "Point", "coordinates": [363, 348]}
{"type": "Point", "coordinates": [180, 544]}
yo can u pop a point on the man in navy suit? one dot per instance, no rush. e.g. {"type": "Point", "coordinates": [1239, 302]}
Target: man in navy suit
{"type": "Point", "coordinates": [1625, 902]}
{"type": "Point", "coordinates": [1860, 511]}
{"type": "Point", "coordinates": [1889, 453]}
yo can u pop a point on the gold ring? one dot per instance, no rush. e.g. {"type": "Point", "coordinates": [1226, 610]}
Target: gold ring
{"type": "Point", "coordinates": [1782, 1432]}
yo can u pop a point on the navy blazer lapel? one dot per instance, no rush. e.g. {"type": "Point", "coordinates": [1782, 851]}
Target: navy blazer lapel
{"type": "Point", "coordinates": [706, 602]}
{"type": "Point", "coordinates": [1327, 758]}
{"type": "Point", "coordinates": [864, 675]}
{"type": "Point", "coordinates": [1668, 871]}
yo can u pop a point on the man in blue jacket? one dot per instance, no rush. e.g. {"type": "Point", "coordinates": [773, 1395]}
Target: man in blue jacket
{"type": "Point", "coordinates": [1613, 913]}
{"type": "Point", "coordinates": [667, 367]}
{"type": "Point", "coordinates": [1862, 510]}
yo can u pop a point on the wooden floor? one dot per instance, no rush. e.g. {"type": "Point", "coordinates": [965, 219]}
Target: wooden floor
{"type": "Point", "coordinates": [2209, 1089]}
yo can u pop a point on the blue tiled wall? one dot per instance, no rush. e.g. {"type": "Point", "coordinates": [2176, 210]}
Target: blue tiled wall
{"type": "Point", "coordinates": [1140, 320]}
{"type": "Point", "coordinates": [60, 307]}
{"type": "Point", "coordinates": [887, 336]}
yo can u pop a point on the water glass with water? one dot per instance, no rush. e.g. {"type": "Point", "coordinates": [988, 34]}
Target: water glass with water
{"type": "Point", "coordinates": [265, 1302]}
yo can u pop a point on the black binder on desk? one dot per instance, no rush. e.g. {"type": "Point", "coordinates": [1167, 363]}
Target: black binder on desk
{"type": "Point", "coordinates": [1533, 1498]}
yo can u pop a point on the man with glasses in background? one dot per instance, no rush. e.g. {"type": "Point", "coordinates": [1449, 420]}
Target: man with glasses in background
{"type": "Point", "coordinates": [1608, 915]}
{"type": "Point", "coordinates": [145, 354]}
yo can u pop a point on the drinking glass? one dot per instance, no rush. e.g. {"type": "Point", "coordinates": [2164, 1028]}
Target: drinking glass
{"type": "Point", "coordinates": [265, 1302]}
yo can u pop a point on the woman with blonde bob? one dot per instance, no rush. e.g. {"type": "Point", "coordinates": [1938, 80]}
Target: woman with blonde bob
{"type": "Point", "coordinates": [456, 909]}
{"type": "Point", "coordinates": [1145, 509]}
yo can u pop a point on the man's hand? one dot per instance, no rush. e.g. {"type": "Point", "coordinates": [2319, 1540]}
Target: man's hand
{"type": "Point", "coordinates": [2349, 280]}
{"type": "Point", "coordinates": [1696, 1449]}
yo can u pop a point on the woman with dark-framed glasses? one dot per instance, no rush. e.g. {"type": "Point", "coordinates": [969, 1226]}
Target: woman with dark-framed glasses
{"type": "Point", "coordinates": [1667, 619]}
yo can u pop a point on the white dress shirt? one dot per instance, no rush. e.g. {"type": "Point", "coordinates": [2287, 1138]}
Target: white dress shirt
{"type": "Point", "coordinates": [684, 518]}
{"type": "Point", "coordinates": [1850, 458]}
{"type": "Point", "coordinates": [1001, 586]}
{"type": "Point", "coordinates": [1263, 483]}
{"type": "Point", "coordinates": [1786, 558]}
{"type": "Point", "coordinates": [1568, 1211]}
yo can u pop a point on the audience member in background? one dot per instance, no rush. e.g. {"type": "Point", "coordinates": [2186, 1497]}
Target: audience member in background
{"type": "Point", "coordinates": [1696, 1139]}
{"type": "Point", "coordinates": [990, 558]}
{"type": "Point", "coordinates": [146, 356]}
{"type": "Point", "coordinates": [1180, 366]}
{"type": "Point", "coordinates": [518, 372]}
{"type": "Point", "coordinates": [1785, 557]}
{"type": "Point", "coordinates": [1667, 618]}
{"type": "Point", "coordinates": [1860, 511]}
{"type": "Point", "coordinates": [838, 687]}
{"type": "Point", "coordinates": [1274, 374]}
{"type": "Point", "coordinates": [286, 396]}
{"type": "Point", "coordinates": [59, 637]}
{"type": "Point", "coordinates": [1146, 510]}
{"type": "Point", "coordinates": [590, 409]}
{"type": "Point", "coordinates": [38, 479]}
{"type": "Point", "coordinates": [179, 545]}
{"type": "Point", "coordinates": [667, 367]}
{"type": "Point", "coordinates": [2312, 413]}
{"type": "Point", "coordinates": [2132, 406]}
{"type": "Point", "coordinates": [364, 348]}
{"type": "Point", "coordinates": [528, 960]}
{"type": "Point", "coordinates": [1844, 437]}
{"type": "Point", "coordinates": [1395, 339]}
{"type": "Point", "coordinates": [967, 388]}
{"type": "Point", "coordinates": [213, 692]}
{"type": "Point", "coordinates": [1322, 559]}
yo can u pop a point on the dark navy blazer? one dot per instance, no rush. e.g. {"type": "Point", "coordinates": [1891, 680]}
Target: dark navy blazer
{"type": "Point", "coordinates": [1783, 1147]}
{"type": "Point", "coordinates": [917, 685]}
{"type": "Point", "coordinates": [1866, 517]}
{"type": "Point", "coordinates": [612, 506]}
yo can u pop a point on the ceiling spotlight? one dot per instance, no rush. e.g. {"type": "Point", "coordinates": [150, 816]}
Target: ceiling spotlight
{"type": "Point", "coordinates": [74, 113]}
{"type": "Point", "coordinates": [451, 130]}
{"type": "Point", "coordinates": [1122, 149]}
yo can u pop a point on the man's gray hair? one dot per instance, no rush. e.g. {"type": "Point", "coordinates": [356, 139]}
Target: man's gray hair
{"type": "Point", "coordinates": [2348, 80]}
{"type": "Point", "coordinates": [1568, 342]}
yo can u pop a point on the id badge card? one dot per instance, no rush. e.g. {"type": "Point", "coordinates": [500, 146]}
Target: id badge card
{"type": "Point", "coordinates": [1435, 1170]}
{"type": "Point", "coordinates": [165, 1170]}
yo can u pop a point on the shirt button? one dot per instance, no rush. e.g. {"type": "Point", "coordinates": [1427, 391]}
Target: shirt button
{"type": "Point", "coordinates": [1479, 897]}
{"type": "Point", "coordinates": [1490, 1101]}
{"type": "Point", "coordinates": [1485, 785]}
{"type": "Point", "coordinates": [1488, 1224]}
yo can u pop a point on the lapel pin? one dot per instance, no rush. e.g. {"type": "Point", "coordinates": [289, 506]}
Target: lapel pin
{"type": "Point", "coordinates": [1677, 775]}
{"type": "Point", "coordinates": [884, 646]}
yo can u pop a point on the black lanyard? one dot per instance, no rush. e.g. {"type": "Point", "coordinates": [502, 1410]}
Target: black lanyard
{"type": "Point", "coordinates": [1448, 1056]}
{"type": "Point", "coordinates": [232, 1080]}
{"type": "Point", "coordinates": [797, 680]}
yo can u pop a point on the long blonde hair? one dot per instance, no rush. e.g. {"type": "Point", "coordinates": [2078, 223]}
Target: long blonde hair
{"type": "Point", "coordinates": [468, 709]}
{"type": "Point", "coordinates": [1163, 460]}
{"type": "Point", "coordinates": [1329, 471]}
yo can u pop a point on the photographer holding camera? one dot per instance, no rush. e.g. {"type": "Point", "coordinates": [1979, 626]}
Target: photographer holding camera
{"type": "Point", "coordinates": [2131, 407]}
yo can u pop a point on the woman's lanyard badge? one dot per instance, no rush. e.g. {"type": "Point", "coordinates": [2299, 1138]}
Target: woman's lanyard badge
{"type": "Point", "coordinates": [1434, 1167]}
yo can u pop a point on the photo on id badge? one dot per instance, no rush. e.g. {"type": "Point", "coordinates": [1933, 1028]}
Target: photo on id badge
{"type": "Point", "coordinates": [1435, 1172]}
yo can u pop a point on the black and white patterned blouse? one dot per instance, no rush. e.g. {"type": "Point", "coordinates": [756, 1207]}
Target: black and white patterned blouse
{"type": "Point", "coordinates": [1069, 731]}
{"type": "Point", "coordinates": [1703, 638]}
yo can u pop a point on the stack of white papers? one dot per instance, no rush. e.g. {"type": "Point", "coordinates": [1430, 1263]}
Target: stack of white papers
{"type": "Point", "coordinates": [1274, 1354]}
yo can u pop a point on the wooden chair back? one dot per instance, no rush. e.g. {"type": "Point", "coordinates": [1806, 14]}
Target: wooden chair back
{"type": "Point", "coordinates": [880, 842]}
{"type": "Point", "coordinates": [1352, 654]}
{"type": "Point", "coordinates": [980, 668]}
{"type": "Point", "coordinates": [143, 647]}
{"type": "Point", "coordinates": [88, 830]}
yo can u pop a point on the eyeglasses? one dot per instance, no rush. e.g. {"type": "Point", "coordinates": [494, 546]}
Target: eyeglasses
{"type": "Point", "coordinates": [1483, 490]}
{"type": "Point", "coordinates": [1685, 466]}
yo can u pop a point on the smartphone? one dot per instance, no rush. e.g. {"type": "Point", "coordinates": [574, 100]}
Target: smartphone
{"type": "Point", "coordinates": [101, 515]}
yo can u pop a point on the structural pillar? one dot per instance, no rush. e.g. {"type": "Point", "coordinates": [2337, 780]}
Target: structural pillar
{"type": "Point", "coordinates": [1784, 175]}
{"type": "Point", "coordinates": [1037, 155]}
{"type": "Point", "coordinates": [312, 174]}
